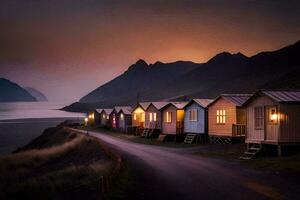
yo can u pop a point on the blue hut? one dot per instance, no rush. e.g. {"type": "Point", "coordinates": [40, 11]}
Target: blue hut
{"type": "Point", "coordinates": [195, 118]}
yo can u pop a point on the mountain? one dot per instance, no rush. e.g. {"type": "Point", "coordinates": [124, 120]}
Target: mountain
{"type": "Point", "coordinates": [138, 78]}
{"type": "Point", "coordinates": [12, 92]}
{"type": "Point", "coordinates": [37, 94]}
{"type": "Point", "coordinates": [224, 73]}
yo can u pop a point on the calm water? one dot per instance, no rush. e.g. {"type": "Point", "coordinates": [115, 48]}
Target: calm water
{"type": "Point", "coordinates": [22, 122]}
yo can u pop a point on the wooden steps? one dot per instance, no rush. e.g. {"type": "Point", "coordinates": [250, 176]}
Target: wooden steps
{"type": "Point", "coordinates": [251, 152]}
{"type": "Point", "coordinates": [190, 138]}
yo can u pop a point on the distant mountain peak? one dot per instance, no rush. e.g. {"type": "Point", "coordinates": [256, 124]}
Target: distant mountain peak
{"type": "Point", "coordinates": [226, 56]}
{"type": "Point", "coordinates": [140, 64]}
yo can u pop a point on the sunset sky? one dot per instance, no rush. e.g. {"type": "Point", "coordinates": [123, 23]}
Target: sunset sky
{"type": "Point", "coordinates": [66, 48]}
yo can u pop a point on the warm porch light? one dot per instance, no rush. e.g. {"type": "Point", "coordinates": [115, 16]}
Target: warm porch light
{"type": "Point", "coordinates": [274, 117]}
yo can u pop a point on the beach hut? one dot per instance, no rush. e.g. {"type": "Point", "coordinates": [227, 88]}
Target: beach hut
{"type": "Point", "coordinates": [195, 118]}
{"type": "Point", "coordinates": [173, 119]}
{"type": "Point", "coordinates": [113, 122]}
{"type": "Point", "coordinates": [124, 118]}
{"type": "Point", "coordinates": [227, 118]}
{"type": "Point", "coordinates": [273, 118]}
{"type": "Point", "coordinates": [138, 115]}
{"type": "Point", "coordinates": [153, 115]}
{"type": "Point", "coordinates": [97, 116]}
{"type": "Point", "coordinates": [105, 116]}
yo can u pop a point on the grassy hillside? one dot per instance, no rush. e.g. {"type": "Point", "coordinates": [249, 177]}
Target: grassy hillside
{"type": "Point", "coordinates": [56, 165]}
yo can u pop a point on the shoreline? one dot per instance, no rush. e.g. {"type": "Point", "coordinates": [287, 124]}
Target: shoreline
{"type": "Point", "coordinates": [41, 119]}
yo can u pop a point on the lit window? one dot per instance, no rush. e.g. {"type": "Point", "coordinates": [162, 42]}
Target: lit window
{"type": "Point", "coordinates": [134, 116]}
{"type": "Point", "coordinates": [193, 115]}
{"type": "Point", "coordinates": [259, 117]}
{"type": "Point", "coordinates": [143, 117]}
{"type": "Point", "coordinates": [122, 116]}
{"type": "Point", "coordinates": [168, 117]}
{"type": "Point", "coordinates": [221, 116]}
{"type": "Point", "coordinates": [107, 117]}
{"type": "Point", "coordinates": [103, 116]}
{"type": "Point", "coordinates": [154, 117]}
{"type": "Point", "coordinates": [150, 117]}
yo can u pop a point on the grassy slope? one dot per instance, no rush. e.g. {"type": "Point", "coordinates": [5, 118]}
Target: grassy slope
{"type": "Point", "coordinates": [56, 165]}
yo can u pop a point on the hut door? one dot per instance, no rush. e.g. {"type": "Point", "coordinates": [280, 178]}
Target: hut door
{"type": "Point", "coordinates": [271, 123]}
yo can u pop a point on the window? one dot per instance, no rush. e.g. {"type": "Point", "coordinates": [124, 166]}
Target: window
{"type": "Point", "coordinates": [107, 117]}
{"type": "Point", "coordinates": [150, 117]}
{"type": "Point", "coordinates": [134, 116]}
{"type": "Point", "coordinates": [103, 116]}
{"type": "Point", "coordinates": [221, 116]}
{"type": "Point", "coordinates": [168, 117]}
{"type": "Point", "coordinates": [193, 115]}
{"type": "Point", "coordinates": [154, 117]}
{"type": "Point", "coordinates": [272, 115]}
{"type": "Point", "coordinates": [122, 116]}
{"type": "Point", "coordinates": [259, 117]}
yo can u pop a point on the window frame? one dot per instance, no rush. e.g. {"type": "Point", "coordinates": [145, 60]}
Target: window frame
{"type": "Point", "coordinates": [193, 115]}
{"type": "Point", "coordinates": [259, 118]}
{"type": "Point", "coordinates": [168, 115]}
{"type": "Point", "coordinates": [221, 116]}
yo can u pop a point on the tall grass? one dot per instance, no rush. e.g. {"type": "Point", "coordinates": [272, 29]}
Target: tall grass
{"type": "Point", "coordinates": [68, 170]}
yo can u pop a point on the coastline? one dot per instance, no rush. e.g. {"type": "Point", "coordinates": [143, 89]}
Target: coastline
{"type": "Point", "coordinates": [15, 133]}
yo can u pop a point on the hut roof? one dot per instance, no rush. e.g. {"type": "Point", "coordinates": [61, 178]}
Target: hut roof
{"type": "Point", "coordinates": [159, 104]}
{"type": "Point", "coordinates": [283, 96]}
{"type": "Point", "coordinates": [125, 109]}
{"type": "Point", "coordinates": [99, 110]}
{"type": "Point", "coordinates": [236, 99]}
{"type": "Point", "coordinates": [108, 110]}
{"type": "Point", "coordinates": [178, 105]}
{"type": "Point", "coordinates": [202, 102]}
{"type": "Point", "coordinates": [278, 96]}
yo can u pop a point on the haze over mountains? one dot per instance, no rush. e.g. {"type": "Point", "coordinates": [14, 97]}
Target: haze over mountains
{"type": "Point", "coordinates": [37, 94]}
{"type": "Point", "coordinates": [224, 73]}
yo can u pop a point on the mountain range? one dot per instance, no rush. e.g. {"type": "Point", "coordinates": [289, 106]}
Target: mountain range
{"type": "Point", "coordinates": [224, 73]}
{"type": "Point", "coordinates": [12, 92]}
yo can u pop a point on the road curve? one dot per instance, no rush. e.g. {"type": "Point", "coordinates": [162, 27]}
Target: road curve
{"type": "Point", "coordinates": [176, 174]}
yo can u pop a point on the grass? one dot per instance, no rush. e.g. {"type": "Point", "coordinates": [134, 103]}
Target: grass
{"type": "Point", "coordinates": [289, 164]}
{"type": "Point", "coordinates": [68, 166]}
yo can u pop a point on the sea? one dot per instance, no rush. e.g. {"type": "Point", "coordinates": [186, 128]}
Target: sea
{"type": "Point", "coordinates": [21, 122]}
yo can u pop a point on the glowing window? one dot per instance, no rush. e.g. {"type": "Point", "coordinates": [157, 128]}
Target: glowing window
{"type": "Point", "coordinates": [150, 117]}
{"type": "Point", "coordinates": [154, 117]}
{"type": "Point", "coordinates": [122, 116]}
{"type": "Point", "coordinates": [134, 116]}
{"type": "Point", "coordinates": [168, 118]}
{"type": "Point", "coordinates": [103, 116]}
{"type": "Point", "coordinates": [221, 116]}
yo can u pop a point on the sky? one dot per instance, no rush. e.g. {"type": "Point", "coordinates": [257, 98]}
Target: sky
{"type": "Point", "coordinates": [66, 48]}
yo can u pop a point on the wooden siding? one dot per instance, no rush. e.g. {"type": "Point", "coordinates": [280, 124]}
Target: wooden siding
{"type": "Point", "coordinates": [258, 135]}
{"type": "Point", "coordinates": [169, 128]}
{"type": "Point", "coordinates": [221, 129]}
{"type": "Point", "coordinates": [148, 124]}
{"type": "Point", "coordinates": [194, 126]}
{"type": "Point", "coordinates": [126, 122]}
{"type": "Point", "coordinates": [97, 118]}
{"type": "Point", "coordinates": [289, 123]}
{"type": "Point", "coordinates": [104, 121]}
